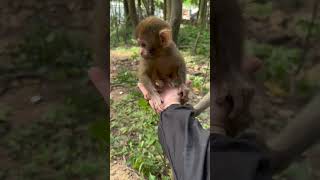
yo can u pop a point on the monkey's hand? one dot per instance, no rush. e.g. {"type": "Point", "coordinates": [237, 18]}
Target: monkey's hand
{"type": "Point", "coordinates": [154, 100]}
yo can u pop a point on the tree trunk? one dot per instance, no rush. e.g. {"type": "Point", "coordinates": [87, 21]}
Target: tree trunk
{"type": "Point", "coordinates": [152, 8]}
{"type": "Point", "coordinates": [199, 7]}
{"type": "Point", "coordinates": [164, 9]}
{"type": "Point", "coordinates": [168, 7]}
{"type": "Point", "coordinates": [202, 13]}
{"type": "Point", "coordinates": [127, 20]}
{"type": "Point", "coordinates": [175, 18]}
{"type": "Point", "coordinates": [139, 10]}
{"type": "Point", "coordinates": [194, 49]}
{"type": "Point", "coordinates": [100, 31]}
{"type": "Point", "coordinates": [301, 133]}
{"type": "Point", "coordinates": [147, 7]}
{"type": "Point", "coordinates": [229, 82]}
{"type": "Point", "coordinates": [126, 8]}
{"type": "Point", "coordinates": [133, 13]}
{"type": "Point", "coordinates": [208, 15]}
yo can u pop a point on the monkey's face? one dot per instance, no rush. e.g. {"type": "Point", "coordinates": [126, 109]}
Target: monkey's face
{"type": "Point", "coordinates": [147, 49]}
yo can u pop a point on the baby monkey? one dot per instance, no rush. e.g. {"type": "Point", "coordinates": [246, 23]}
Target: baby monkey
{"type": "Point", "coordinates": [161, 64]}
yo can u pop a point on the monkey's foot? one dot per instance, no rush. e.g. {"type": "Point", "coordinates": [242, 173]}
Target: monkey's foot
{"type": "Point", "coordinates": [159, 85]}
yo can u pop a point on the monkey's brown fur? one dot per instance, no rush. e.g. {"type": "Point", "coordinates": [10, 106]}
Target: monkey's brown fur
{"type": "Point", "coordinates": [164, 62]}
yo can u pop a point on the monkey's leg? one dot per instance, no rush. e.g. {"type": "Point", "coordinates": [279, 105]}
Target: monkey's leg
{"type": "Point", "coordinates": [160, 84]}
{"type": "Point", "coordinates": [182, 82]}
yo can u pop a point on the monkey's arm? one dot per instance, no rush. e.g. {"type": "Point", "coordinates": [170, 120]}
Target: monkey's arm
{"type": "Point", "coordinates": [146, 81]}
{"type": "Point", "coordinates": [182, 72]}
{"type": "Point", "coordinates": [182, 77]}
{"type": "Point", "coordinates": [145, 72]}
{"type": "Point", "coordinates": [301, 133]}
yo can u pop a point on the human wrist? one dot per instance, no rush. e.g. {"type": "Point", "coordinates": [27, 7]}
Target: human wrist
{"type": "Point", "coordinates": [171, 103]}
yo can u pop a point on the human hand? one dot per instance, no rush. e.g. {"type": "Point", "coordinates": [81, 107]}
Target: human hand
{"type": "Point", "coordinates": [169, 96]}
{"type": "Point", "coordinates": [99, 80]}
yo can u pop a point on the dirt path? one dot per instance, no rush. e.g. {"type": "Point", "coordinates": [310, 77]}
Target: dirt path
{"type": "Point", "coordinates": [120, 171]}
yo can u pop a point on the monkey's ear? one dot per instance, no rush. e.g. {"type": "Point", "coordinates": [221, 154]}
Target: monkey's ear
{"type": "Point", "coordinates": [165, 37]}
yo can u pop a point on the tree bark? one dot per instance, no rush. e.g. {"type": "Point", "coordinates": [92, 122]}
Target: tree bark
{"type": "Point", "coordinates": [126, 8]}
{"type": "Point", "coordinates": [194, 49]}
{"type": "Point", "coordinates": [133, 13]}
{"type": "Point", "coordinates": [175, 18]}
{"type": "Point", "coordinates": [164, 9]}
{"type": "Point", "coordinates": [127, 20]}
{"type": "Point", "coordinates": [139, 10]}
{"type": "Point", "coordinates": [199, 7]}
{"type": "Point", "coordinates": [168, 7]}
{"type": "Point", "coordinates": [301, 133]}
{"type": "Point", "coordinates": [202, 12]}
{"type": "Point", "coordinates": [152, 8]}
{"type": "Point", "coordinates": [101, 53]}
{"type": "Point", "coordinates": [100, 31]}
{"type": "Point", "coordinates": [228, 80]}
{"type": "Point", "coordinates": [146, 6]}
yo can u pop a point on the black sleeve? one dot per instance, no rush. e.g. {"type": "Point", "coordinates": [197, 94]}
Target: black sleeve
{"type": "Point", "coordinates": [184, 142]}
{"type": "Point", "coordinates": [194, 154]}
{"type": "Point", "coordinates": [237, 159]}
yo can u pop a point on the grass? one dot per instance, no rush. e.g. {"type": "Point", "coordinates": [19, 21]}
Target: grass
{"type": "Point", "coordinates": [134, 135]}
